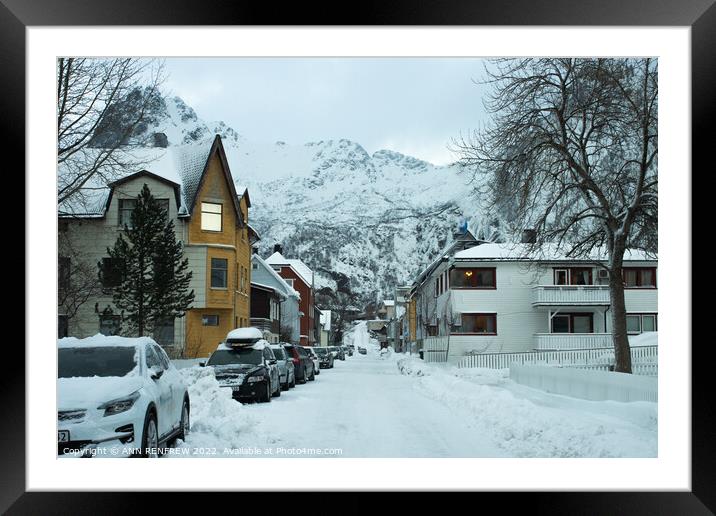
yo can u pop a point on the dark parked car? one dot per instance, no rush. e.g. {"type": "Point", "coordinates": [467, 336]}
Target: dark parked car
{"type": "Point", "coordinates": [250, 371]}
{"type": "Point", "coordinates": [347, 350]}
{"type": "Point", "coordinates": [339, 353]}
{"type": "Point", "coordinates": [325, 357]}
{"type": "Point", "coordinates": [362, 350]}
{"type": "Point", "coordinates": [302, 363]}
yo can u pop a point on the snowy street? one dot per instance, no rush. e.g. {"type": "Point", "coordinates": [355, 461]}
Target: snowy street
{"type": "Point", "coordinates": [398, 406]}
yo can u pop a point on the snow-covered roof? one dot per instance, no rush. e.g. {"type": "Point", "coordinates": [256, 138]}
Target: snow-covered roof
{"type": "Point", "coordinates": [527, 252]}
{"type": "Point", "coordinates": [300, 268]}
{"type": "Point", "coordinates": [181, 165]}
{"type": "Point", "coordinates": [268, 287]}
{"type": "Point", "coordinates": [288, 289]}
{"type": "Point", "coordinates": [389, 302]}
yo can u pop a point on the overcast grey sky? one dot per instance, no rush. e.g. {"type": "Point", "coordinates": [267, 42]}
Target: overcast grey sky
{"type": "Point", "coordinates": [411, 105]}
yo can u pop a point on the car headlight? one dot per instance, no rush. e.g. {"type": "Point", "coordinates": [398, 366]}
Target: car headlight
{"type": "Point", "coordinates": [119, 405]}
{"type": "Point", "coordinates": [255, 378]}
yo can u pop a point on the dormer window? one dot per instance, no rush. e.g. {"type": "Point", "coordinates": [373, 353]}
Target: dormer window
{"type": "Point", "coordinates": [210, 216]}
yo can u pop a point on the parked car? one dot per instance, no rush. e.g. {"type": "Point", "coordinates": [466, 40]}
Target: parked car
{"type": "Point", "coordinates": [347, 350]}
{"type": "Point", "coordinates": [325, 357]}
{"type": "Point", "coordinates": [314, 357]}
{"type": "Point", "coordinates": [339, 354]}
{"type": "Point", "coordinates": [118, 390]}
{"type": "Point", "coordinates": [245, 364]}
{"type": "Point", "coordinates": [286, 369]}
{"type": "Point", "coordinates": [302, 362]}
{"type": "Point", "coordinates": [362, 350]}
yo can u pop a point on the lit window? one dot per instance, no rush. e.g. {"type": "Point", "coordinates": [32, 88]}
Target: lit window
{"type": "Point", "coordinates": [210, 216]}
{"type": "Point", "coordinates": [472, 278]}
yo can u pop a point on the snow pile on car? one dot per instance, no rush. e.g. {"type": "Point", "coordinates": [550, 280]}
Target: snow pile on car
{"type": "Point", "coordinates": [217, 420]}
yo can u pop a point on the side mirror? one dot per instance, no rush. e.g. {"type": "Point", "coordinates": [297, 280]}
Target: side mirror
{"type": "Point", "coordinates": [202, 364]}
{"type": "Point", "coordinates": [156, 373]}
{"type": "Point", "coordinates": [272, 361]}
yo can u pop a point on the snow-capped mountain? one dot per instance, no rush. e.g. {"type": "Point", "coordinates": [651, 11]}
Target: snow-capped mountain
{"type": "Point", "coordinates": [364, 223]}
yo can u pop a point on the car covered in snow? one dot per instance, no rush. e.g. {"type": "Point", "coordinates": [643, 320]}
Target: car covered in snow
{"type": "Point", "coordinates": [245, 363]}
{"type": "Point", "coordinates": [286, 369]}
{"type": "Point", "coordinates": [325, 357]}
{"type": "Point", "coordinates": [119, 392]}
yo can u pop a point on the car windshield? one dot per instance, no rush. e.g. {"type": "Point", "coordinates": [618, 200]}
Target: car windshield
{"type": "Point", "coordinates": [279, 353]}
{"type": "Point", "coordinates": [321, 351]}
{"type": "Point", "coordinates": [96, 361]}
{"type": "Point", "coordinates": [245, 355]}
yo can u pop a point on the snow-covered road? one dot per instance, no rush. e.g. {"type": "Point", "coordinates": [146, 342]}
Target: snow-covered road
{"type": "Point", "coordinates": [399, 406]}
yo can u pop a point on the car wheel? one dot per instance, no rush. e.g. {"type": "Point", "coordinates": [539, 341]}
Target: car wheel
{"type": "Point", "coordinates": [184, 421]}
{"type": "Point", "coordinates": [303, 380]}
{"type": "Point", "coordinates": [285, 386]}
{"type": "Point", "coordinates": [278, 390]}
{"type": "Point", "coordinates": [293, 380]}
{"type": "Point", "coordinates": [150, 437]}
{"type": "Point", "coordinates": [313, 375]}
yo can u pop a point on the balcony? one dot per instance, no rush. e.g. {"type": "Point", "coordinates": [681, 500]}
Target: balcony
{"type": "Point", "coordinates": [571, 341]}
{"type": "Point", "coordinates": [265, 324]}
{"type": "Point", "coordinates": [570, 295]}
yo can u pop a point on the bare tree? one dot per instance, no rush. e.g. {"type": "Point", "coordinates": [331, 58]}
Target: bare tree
{"type": "Point", "coordinates": [571, 151]}
{"type": "Point", "coordinates": [77, 277]}
{"type": "Point", "coordinates": [103, 108]}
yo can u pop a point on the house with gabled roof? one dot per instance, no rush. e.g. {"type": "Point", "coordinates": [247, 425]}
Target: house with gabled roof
{"type": "Point", "coordinates": [274, 304]}
{"type": "Point", "coordinates": [210, 218]}
{"type": "Point", "coordinates": [297, 274]}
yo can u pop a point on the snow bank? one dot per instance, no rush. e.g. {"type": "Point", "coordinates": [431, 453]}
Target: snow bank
{"type": "Point", "coordinates": [217, 420]}
{"type": "Point", "coordinates": [547, 426]}
{"type": "Point", "coordinates": [648, 338]}
{"type": "Point", "coordinates": [410, 366]}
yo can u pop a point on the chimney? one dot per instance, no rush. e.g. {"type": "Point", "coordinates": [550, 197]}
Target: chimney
{"type": "Point", "coordinates": [277, 248]}
{"type": "Point", "coordinates": [529, 236]}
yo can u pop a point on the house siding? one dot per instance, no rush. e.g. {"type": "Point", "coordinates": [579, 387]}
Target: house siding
{"type": "Point", "coordinates": [517, 319]}
{"type": "Point", "coordinates": [91, 237]}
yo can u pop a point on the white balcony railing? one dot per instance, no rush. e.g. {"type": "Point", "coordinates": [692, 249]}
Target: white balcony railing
{"type": "Point", "coordinates": [560, 295]}
{"type": "Point", "coordinates": [569, 341]}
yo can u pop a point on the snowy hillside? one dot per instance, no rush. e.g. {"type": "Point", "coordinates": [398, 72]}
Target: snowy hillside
{"type": "Point", "coordinates": [365, 222]}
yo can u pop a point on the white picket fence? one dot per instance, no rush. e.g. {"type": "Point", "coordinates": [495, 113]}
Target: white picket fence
{"type": "Point", "coordinates": [435, 349]}
{"type": "Point", "coordinates": [644, 359]}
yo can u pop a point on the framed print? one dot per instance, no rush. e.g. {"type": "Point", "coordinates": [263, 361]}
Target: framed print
{"type": "Point", "coordinates": [425, 245]}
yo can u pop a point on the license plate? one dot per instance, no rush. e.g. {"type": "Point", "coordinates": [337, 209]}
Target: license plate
{"type": "Point", "coordinates": [63, 436]}
{"type": "Point", "coordinates": [236, 388]}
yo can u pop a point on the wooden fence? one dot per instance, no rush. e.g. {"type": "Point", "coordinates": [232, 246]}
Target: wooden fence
{"type": "Point", "coordinates": [644, 359]}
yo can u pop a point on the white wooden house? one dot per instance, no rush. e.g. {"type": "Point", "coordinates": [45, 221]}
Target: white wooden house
{"type": "Point", "coordinates": [502, 298]}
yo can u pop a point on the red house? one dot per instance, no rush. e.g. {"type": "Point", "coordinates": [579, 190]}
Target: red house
{"type": "Point", "coordinates": [300, 277]}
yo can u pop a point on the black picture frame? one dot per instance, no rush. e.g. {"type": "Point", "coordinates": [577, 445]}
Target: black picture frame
{"type": "Point", "coordinates": [699, 15]}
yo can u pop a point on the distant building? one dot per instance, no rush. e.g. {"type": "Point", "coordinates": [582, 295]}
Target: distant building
{"type": "Point", "coordinates": [288, 326]}
{"type": "Point", "coordinates": [325, 327]}
{"type": "Point", "coordinates": [300, 277]}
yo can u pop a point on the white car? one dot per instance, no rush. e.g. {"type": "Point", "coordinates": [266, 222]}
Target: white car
{"type": "Point", "coordinates": [118, 392]}
{"type": "Point", "coordinates": [314, 357]}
